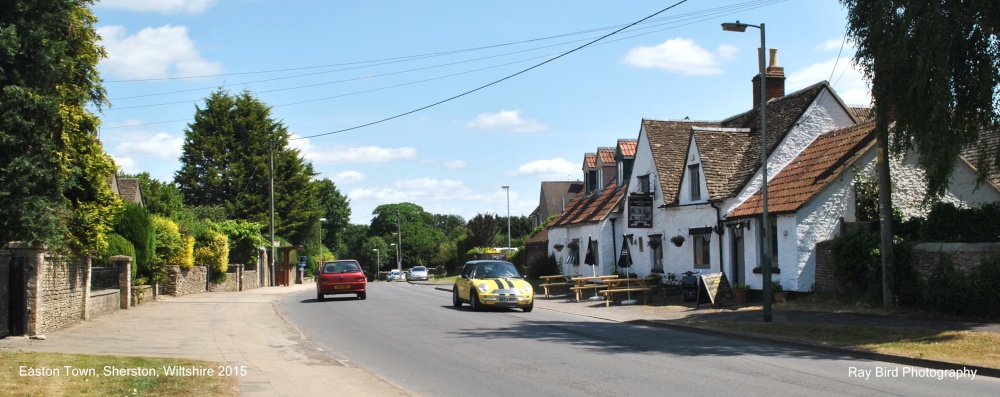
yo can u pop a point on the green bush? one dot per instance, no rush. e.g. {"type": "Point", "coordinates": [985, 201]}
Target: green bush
{"type": "Point", "coordinates": [170, 248]}
{"type": "Point", "coordinates": [947, 223]}
{"type": "Point", "coordinates": [117, 245]}
{"type": "Point", "coordinates": [244, 239]}
{"type": "Point", "coordinates": [983, 299]}
{"type": "Point", "coordinates": [857, 263]}
{"type": "Point", "coordinates": [215, 255]}
{"type": "Point", "coordinates": [135, 224]}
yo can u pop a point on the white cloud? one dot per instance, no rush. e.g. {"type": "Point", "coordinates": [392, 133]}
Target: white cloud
{"type": "Point", "coordinates": [146, 144]}
{"type": "Point", "coordinates": [343, 154]}
{"type": "Point", "coordinates": [348, 177]}
{"type": "Point", "coordinates": [161, 52]}
{"type": "Point", "coordinates": [160, 6]}
{"type": "Point", "coordinates": [554, 168]}
{"type": "Point", "coordinates": [421, 189]}
{"type": "Point", "coordinates": [835, 45]}
{"type": "Point", "coordinates": [509, 120]}
{"type": "Point", "coordinates": [455, 164]}
{"type": "Point", "coordinates": [680, 55]}
{"type": "Point", "coordinates": [847, 80]}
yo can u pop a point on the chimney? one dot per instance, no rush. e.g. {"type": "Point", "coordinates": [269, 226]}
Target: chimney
{"type": "Point", "coordinates": [775, 80]}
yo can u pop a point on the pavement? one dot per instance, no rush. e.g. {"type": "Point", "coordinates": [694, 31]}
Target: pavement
{"type": "Point", "coordinates": [281, 362]}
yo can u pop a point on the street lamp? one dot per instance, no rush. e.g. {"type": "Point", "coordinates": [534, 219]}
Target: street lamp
{"type": "Point", "coordinates": [378, 262]}
{"type": "Point", "coordinates": [507, 188]}
{"type": "Point", "coordinates": [319, 241]}
{"type": "Point", "coordinates": [397, 254]}
{"type": "Point", "coordinates": [765, 231]}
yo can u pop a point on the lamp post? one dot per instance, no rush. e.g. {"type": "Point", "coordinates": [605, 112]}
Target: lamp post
{"type": "Point", "coordinates": [399, 237]}
{"type": "Point", "coordinates": [378, 262]}
{"type": "Point", "coordinates": [507, 188]}
{"type": "Point", "coordinates": [765, 230]}
{"type": "Point", "coordinates": [397, 254]}
{"type": "Point", "coordinates": [319, 242]}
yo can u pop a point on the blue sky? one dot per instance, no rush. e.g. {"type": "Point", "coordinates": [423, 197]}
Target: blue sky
{"type": "Point", "coordinates": [327, 66]}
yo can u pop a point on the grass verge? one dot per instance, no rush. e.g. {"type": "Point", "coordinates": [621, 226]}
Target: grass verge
{"type": "Point", "coordinates": [959, 347]}
{"type": "Point", "coordinates": [59, 374]}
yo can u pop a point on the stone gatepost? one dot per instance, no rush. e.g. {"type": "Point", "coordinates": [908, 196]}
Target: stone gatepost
{"type": "Point", "coordinates": [124, 264]}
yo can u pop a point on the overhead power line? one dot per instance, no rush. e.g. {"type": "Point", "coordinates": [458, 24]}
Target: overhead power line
{"type": "Point", "coordinates": [497, 81]}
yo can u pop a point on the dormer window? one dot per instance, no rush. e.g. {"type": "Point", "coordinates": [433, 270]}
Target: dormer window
{"type": "Point", "coordinates": [643, 181]}
{"type": "Point", "coordinates": [694, 176]}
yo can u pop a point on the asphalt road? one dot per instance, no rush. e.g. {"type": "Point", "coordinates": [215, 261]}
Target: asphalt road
{"type": "Point", "coordinates": [412, 336]}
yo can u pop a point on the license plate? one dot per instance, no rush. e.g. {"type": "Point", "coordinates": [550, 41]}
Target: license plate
{"type": "Point", "coordinates": [508, 300]}
{"type": "Point", "coordinates": [341, 286]}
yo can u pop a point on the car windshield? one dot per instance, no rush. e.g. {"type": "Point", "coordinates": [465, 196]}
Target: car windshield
{"type": "Point", "coordinates": [340, 267]}
{"type": "Point", "coordinates": [419, 269]}
{"type": "Point", "coordinates": [496, 270]}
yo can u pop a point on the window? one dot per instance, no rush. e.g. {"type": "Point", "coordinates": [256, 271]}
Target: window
{"type": "Point", "coordinates": [573, 256]}
{"type": "Point", "coordinates": [656, 252]}
{"type": "Point", "coordinates": [591, 180]}
{"type": "Point", "coordinates": [643, 181]}
{"type": "Point", "coordinates": [701, 239]}
{"type": "Point", "coordinates": [694, 176]}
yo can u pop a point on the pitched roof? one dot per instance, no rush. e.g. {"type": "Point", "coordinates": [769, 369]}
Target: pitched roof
{"type": "Point", "coordinates": [862, 113]}
{"type": "Point", "coordinates": [541, 237]}
{"type": "Point", "coordinates": [818, 165]}
{"type": "Point", "coordinates": [782, 115]}
{"type": "Point", "coordinates": [626, 148]}
{"type": "Point", "coordinates": [128, 188]}
{"type": "Point", "coordinates": [591, 208]}
{"type": "Point", "coordinates": [589, 161]}
{"type": "Point", "coordinates": [984, 151]}
{"type": "Point", "coordinates": [730, 156]}
{"type": "Point", "coordinates": [555, 194]}
{"type": "Point", "coordinates": [722, 151]}
{"type": "Point", "coordinates": [606, 155]}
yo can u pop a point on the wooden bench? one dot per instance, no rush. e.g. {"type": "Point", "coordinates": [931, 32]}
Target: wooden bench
{"type": "Point", "coordinates": [609, 293]}
{"type": "Point", "coordinates": [546, 286]}
{"type": "Point", "coordinates": [580, 288]}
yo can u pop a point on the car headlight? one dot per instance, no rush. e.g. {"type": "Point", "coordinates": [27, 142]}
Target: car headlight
{"type": "Point", "coordinates": [526, 288]}
{"type": "Point", "coordinates": [483, 288]}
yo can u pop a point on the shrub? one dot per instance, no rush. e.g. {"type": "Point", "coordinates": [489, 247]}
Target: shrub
{"type": "Point", "coordinates": [135, 224]}
{"type": "Point", "coordinates": [215, 255]}
{"type": "Point", "coordinates": [857, 263]}
{"type": "Point", "coordinates": [117, 245]}
{"type": "Point", "coordinates": [169, 248]}
{"type": "Point", "coordinates": [983, 299]}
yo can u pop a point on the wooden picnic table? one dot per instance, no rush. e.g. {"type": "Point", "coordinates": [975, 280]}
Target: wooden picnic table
{"type": "Point", "coordinates": [625, 285]}
{"type": "Point", "coordinates": [589, 282]}
{"type": "Point", "coordinates": [554, 281]}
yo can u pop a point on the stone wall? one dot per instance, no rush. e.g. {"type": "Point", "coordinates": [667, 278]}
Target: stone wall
{"type": "Point", "coordinates": [926, 256]}
{"type": "Point", "coordinates": [232, 282]}
{"type": "Point", "coordinates": [826, 277]}
{"type": "Point", "coordinates": [103, 302]}
{"type": "Point", "coordinates": [965, 256]}
{"type": "Point", "coordinates": [63, 285]}
{"type": "Point", "coordinates": [184, 281]}
{"type": "Point", "coordinates": [250, 280]}
{"type": "Point", "coordinates": [142, 294]}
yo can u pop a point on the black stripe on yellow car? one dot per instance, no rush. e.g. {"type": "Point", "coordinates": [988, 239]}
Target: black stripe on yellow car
{"type": "Point", "coordinates": [499, 283]}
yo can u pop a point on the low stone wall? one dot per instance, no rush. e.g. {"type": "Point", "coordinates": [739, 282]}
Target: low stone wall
{"type": "Point", "coordinates": [926, 257]}
{"type": "Point", "coordinates": [250, 280]}
{"type": "Point", "coordinates": [103, 302]}
{"type": "Point", "coordinates": [232, 282]}
{"type": "Point", "coordinates": [182, 282]}
{"type": "Point", "coordinates": [141, 294]}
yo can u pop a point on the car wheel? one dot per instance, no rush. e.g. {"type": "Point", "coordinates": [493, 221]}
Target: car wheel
{"type": "Point", "coordinates": [474, 301]}
{"type": "Point", "coordinates": [320, 297]}
{"type": "Point", "coordinates": [454, 298]}
{"type": "Point", "coordinates": [362, 295]}
{"type": "Point", "coordinates": [527, 309]}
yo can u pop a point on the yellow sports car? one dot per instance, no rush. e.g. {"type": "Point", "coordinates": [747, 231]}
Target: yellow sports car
{"type": "Point", "coordinates": [487, 283]}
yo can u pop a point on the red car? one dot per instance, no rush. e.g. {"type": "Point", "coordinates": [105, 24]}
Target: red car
{"type": "Point", "coordinates": [341, 277]}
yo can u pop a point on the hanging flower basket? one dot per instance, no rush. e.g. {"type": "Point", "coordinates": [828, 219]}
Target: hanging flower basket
{"type": "Point", "coordinates": [558, 247]}
{"type": "Point", "coordinates": [574, 245]}
{"type": "Point", "coordinates": [678, 240]}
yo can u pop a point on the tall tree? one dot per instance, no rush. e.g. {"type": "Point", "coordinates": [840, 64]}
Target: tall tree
{"type": "Point", "coordinates": [336, 208]}
{"type": "Point", "coordinates": [451, 225]}
{"type": "Point", "coordinates": [934, 67]}
{"type": "Point", "coordinates": [419, 237]}
{"type": "Point", "coordinates": [943, 52]}
{"type": "Point", "coordinates": [482, 228]}
{"type": "Point", "coordinates": [226, 159]}
{"type": "Point", "coordinates": [54, 186]}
